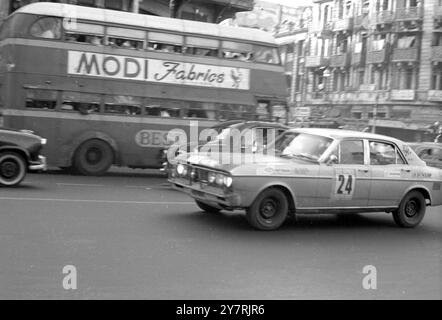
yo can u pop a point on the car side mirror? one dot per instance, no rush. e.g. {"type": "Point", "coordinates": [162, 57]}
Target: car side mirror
{"type": "Point", "coordinates": [333, 159]}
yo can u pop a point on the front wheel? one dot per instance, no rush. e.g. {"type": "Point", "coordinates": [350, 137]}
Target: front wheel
{"type": "Point", "coordinates": [269, 210]}
{"type": "Point", "coordinates": [12, 169]}
{"type": "Point", "coordinates": [93, 158]}
{"type": "Point", "coordinates": [207, 208]}
{"type": "Point", "coordinates": [411, 211]}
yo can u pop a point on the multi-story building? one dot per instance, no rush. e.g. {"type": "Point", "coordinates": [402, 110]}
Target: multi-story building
{"type": "Point", "coordinates": [375, 63]}
{"type": "Point", "coordinates": [201, 10]}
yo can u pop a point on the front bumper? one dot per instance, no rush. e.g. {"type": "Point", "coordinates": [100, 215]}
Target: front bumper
{"type": "Point", "coordinates": [40, 164]}
{"type": "Point", "coordinates": [230, 201]}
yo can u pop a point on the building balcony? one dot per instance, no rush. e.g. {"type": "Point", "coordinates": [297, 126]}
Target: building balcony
{"type": "Point", "coordinates": [343, 24]}
{"type": "Point", "coordinates": [437, 11]}
{"type": "Point", "coordinates": [434, 95]}
{"type": "Point", "coordinates": [385, 16]}
{"type": "Point", "coordinates": [378, 56]}
{"type": "Point", "coordinates": [340, 60]}
{"type": "Point", "coordinates": [358, 59]}
{"type": "Point", "coordinates": [316, 61]}
{"type": "Point", "coordinates": [402, 94]}
{"type": "Point", "coordinates": [323, 30]}
{"type": "Point", "coordinates": [411, 13]}
{"type": "Point", "coordinates": [405, 55]}
{"type": "Point", "coordinates": [436, 53]}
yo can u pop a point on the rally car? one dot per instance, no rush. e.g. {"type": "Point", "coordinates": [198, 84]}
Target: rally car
{"type": "Point", "coordinates": [261, 133]}
{"type": "Point", "coordinates": [19, 153]}
{"type": "Point", "coordinates": [314, 171]}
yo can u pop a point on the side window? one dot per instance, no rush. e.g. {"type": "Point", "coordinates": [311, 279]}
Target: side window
{"type": "Point", "coordinates": [127, 105]}
{"type": "Point", "coordinates": [85, 33]}
{"type": "Point", "coordinates": [164, 42]}
{"type": "Point", "coordinates": [47, 28]}
{"type": "Point", "coordinates": [125, 38]}
{"type": "Point", "coordinates": [266, 55]}
{"type": "Point", "coordinates": [237, 51]}
{"type": "Point", "coordinates": [382, 153]}
{"type": "Point", "coordinates": [83, 103]}
{"type": "Point", "coordinates": [202, 47]}
{"type": "Point", "coordinates": [41, 99]}
{"type": "Point", "coordinates": [351, 152]}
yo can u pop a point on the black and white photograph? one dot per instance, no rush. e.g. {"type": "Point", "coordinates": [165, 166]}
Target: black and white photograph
{"type": "Point", "coordinates": [237, 152]}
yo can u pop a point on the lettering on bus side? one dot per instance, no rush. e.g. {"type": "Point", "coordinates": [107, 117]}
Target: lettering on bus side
{"type": "Point", "coordinates": [155, 70]}
{"type": "Point", "coordinates": [151, 138]}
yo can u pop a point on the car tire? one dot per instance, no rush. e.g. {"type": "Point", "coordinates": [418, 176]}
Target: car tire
{"type": "Point", "coordinates": [93, 158]}
{"type": "Point", "coordinates": [207, 208]}
{"type": "Point", "coordinates": [269, 210]}
{"type": "Point", "coordinates": [411, 210]}
{"type": "Point", "coordinates": [13, 169]}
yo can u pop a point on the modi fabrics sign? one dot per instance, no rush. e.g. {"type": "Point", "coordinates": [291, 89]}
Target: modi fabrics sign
{"type": "Point", "coordinates": [153, 70]}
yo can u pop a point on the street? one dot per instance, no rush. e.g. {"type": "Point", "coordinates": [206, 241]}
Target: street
{"type": "Point", "coordinates": [130, 236]}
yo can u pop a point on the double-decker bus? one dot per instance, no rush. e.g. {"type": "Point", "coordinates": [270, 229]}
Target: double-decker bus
{"type": "Point", "coordinates": [105, 87]}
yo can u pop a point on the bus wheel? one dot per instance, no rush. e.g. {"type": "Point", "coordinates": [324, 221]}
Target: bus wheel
{"type": "Point", "coordinates": [93, 158]}
{"type": "Point", "coordinates": [12, 169]}
{"type": "Point", "coordinates": [207, 208]}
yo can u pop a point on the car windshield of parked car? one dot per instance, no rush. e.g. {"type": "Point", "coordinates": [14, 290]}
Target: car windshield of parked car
{"type": "Point", "coordinates": [302, 145]}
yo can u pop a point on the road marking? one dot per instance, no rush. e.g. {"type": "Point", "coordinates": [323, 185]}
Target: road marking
{"type": "Point", "coordinates": [97, 201]}
{"type": "Point", "coordinates": [79, 184]}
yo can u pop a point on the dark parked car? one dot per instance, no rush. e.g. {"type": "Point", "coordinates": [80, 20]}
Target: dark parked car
{"type": "Point", "coordinates": [258, 132]}
{"type": "Point", "coordinates": [430, 152]}
{"type": "Point", "coordinates": [19, 152]}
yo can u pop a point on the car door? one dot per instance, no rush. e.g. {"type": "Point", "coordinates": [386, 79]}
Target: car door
{"type": "Point", "coordinates": [390, 174]}
{"type": "Point", "coordinates": [345, 182]}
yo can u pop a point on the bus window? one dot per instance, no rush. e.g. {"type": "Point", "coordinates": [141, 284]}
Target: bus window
{"type": "Point", "coordinates": [197, 113]}
{"type": "Point", "coordinates": [122, 109]}
{"type": "Point", "coordinates": [125, 43]}
{"type": "Point", "coordinates": [127, 105]}
{"type": "Point", "coordinates": [85, 33]}
{"type": "Point", "coordinates": [202, 46]}
{"type": "Point", "coordinates": [47, 28]}
{"type": "Point", "coordinates": [165, 42]}
{"type": "Point", "coordinates": [125, 38]}
{"type": "Point", "coordinates": [237, 51]}
{"type": "Point", "coordinates": [84, 103]}
{"type": "Point", "coordinates": [266, 54]}
{"type": "Point", "coordinates": [41, 99]}
{"type": "Point", "coordinates": [163, 108]}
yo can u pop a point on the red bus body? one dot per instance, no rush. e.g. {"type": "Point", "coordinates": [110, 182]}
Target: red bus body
{"type": "Point", "coordinates": [73, 92]}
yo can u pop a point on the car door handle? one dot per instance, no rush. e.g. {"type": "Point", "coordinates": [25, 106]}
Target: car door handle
{"type": "Point", "coordinates": [363, 170]}
{"type": "Point", "coordinates": [406, 170]}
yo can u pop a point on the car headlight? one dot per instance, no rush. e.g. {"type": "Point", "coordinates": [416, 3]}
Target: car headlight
{"type": "Point", "coordinates": [211, 177]}
{"type": "Point", "coordinates": [44, 141]}
{"type": "Point", "coordinates": [181, 169]}
{"type": "Point", "coordinates": [228, 181]}
{"type": "Point", "coordinates": [219, 179]}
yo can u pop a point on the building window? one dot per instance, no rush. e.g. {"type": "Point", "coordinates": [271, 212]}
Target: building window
{"type": "Point", "coordinates": [436, 78]}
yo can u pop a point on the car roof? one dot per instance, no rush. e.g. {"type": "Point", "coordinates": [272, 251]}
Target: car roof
{"type": "Point", "coordinates": [343, 134]}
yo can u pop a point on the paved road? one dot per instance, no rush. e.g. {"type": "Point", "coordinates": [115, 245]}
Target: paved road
{"type": "Point", "coordinates": [130, 236]}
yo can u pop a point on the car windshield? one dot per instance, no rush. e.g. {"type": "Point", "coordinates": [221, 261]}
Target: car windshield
{"type": "Point", "coordinates": [301, 145]}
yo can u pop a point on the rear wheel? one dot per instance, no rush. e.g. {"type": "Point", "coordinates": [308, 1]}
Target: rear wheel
{"type": "Point", "coordinates": [93, 158]}
{"type": "Point", "coordinates": [207, 208]}
{"type": "Point", "coordinates": [12, 169]}
{"type": "Point", "coordinates": [411, 211]}
{"type": "Point", "coordinates": [269, 210]}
